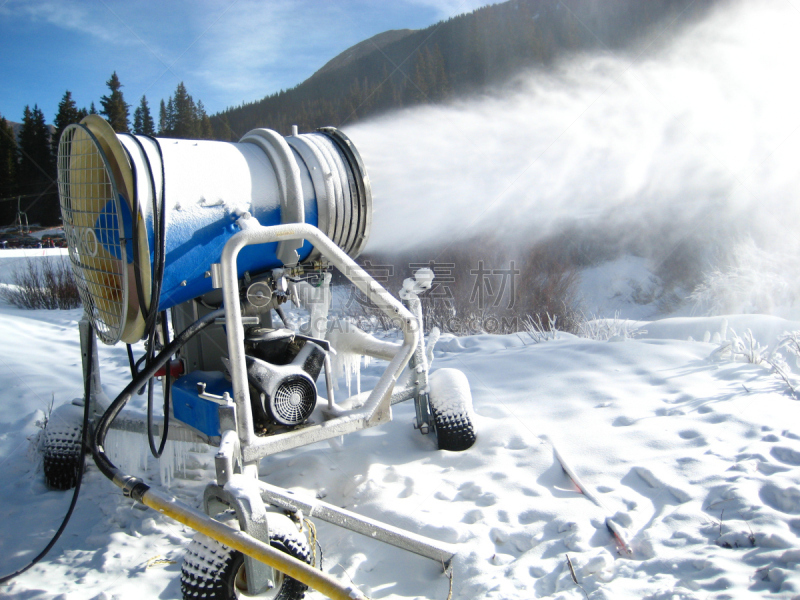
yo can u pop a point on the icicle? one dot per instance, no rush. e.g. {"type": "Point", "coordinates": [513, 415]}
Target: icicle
{"type": "Point", "coordinates": [128, 451]}
{"type": "Point", "coordinates": [166, 464]}
{"type": "Point", "coordinates": [347, 365]}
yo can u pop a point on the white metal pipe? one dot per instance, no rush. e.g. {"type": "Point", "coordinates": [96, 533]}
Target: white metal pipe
{"type": "Point", "coordinates": [439, 551]}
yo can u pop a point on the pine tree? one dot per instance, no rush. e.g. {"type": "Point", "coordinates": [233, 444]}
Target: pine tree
{"type": "Point", "coordinates": [67, 114]}
{"type": "Point", "coordinates": [115, 109]}
{"type": "Point", "coordinates": [440, 86]}
{"type": "Point", "coordinates": [162, 119]}
{"type": "Point", "coordinates": [419, 89]}
{"type": "Point", "coordinates": [36, 173]}
{"type": "Point", "coordinates": [8, 172]}
{"type": "Point", "coordinates": [204, 129]}
{"type": "Point", "coordinates": [169, 130]}
{"type": "Point", "coordinates": [92, 109]}
{"type": "Point", "coordinates": [142, 121]}
{"type": "Point", "coordinates": [185, 111]}
{"type": "Point", "coordinates": [222, 129]}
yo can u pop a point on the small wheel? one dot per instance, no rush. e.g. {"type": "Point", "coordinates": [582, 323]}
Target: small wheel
{"type": "Point", "coordinates": [61, 447]}
{"type": "Point", "coordinates": [451, 406]}
{"type": "Point", "coordinates": [212, 571]}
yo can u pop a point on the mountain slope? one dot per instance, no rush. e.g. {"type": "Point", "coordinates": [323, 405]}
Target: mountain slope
{"type": "Point", "coordinates": [467, 53]}
{"type": "Point", "coordinates": [368, 46]}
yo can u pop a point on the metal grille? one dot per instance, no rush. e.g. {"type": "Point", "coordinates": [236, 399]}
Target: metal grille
{"type": "Point", "coordinates": [293, 402]}
{"type": "Point", "coordinates": [93, 224]}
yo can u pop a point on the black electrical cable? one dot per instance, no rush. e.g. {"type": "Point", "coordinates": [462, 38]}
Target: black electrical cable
{"type": "Point", "coordinates": [159, 260]}
{"type": "Point", "coordinates": [131, 361]}
{"type": "Point", "coordinates": [100, 458]}
{"type": "Point", "coordinates": [159, 239]}
{"type": "Point", "coordinates": [87, 391]}
{"type": "Point", "coordinates": [151, 313]}
{"type": "Point", "coordinates": [167, 389]}
{"type": "Point", "coordinates": [137, 270]}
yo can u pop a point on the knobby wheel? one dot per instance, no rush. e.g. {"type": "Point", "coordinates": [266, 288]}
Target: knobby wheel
{"type": "Point", "coordinates": [212, 571]}
{"type": "Point", "coordinates": [61, 447]}
{"type": "Point", "coordinates": [451, 406]}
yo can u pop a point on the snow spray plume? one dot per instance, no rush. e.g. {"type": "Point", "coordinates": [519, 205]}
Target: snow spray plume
{"type": "Point", "coordinates": [690, 146]}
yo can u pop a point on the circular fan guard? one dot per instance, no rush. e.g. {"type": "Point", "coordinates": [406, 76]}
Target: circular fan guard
{"type": "Point", "coordinates": [293, 401]}
{"type": "Point", "coordinates": [94, 228]}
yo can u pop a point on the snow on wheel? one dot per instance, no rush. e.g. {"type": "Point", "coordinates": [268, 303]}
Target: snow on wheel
{"type": "Point", "coordinates": [61, 447]}
{"type": "Point", "coordinates": [212, 571]}
{"type": "Point", "coordinates": [451, 406]}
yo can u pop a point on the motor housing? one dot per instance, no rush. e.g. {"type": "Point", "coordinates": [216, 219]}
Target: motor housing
{"type": "Point", "coordinates": [286, 394]}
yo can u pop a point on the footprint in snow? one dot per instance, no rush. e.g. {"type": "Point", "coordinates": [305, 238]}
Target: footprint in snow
{"type": "Point", "coordinates": [784, 500]}
{"type": "Point", "coordinates": [408, 490]}
{"type": "Point", "coordinates": [689, 434]}
{"type": "Point", "coordinates": [474, 493]}
{"type": "Point", "coordinates": [786, 455]}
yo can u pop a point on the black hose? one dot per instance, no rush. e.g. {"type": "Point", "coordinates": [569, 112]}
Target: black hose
{"type": "Point", "coordinates": [137, 271]}
{"type": "Point", "coordinates": [159, 260]}
{"type": "Point", "coordinates": [131, 361]}
{"type": "Point", "coordinates": [87, 391]}
{"type": "Point", "coordinates": [151, 313]}
{"type": "Point", "coordinates": [157, 452]}
{"type": "Point", "coordinates": [98, 451]}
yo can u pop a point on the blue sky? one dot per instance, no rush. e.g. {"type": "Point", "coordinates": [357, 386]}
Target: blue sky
{"type": "Point", "coordinates": [225, 51]}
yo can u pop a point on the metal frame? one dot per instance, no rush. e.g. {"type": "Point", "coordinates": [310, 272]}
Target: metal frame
{"type": "Point", "coordinates": [377, 408]}
{"type": "Point", "coordinates": [237, 486]}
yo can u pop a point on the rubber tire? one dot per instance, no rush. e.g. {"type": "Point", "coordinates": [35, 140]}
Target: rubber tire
{"type": "Point", "coordinates": [210, 567]}
{"type": "Point", "coordinates": [451, 407]}
{"type": "Point", "coordinates": [61, 447]}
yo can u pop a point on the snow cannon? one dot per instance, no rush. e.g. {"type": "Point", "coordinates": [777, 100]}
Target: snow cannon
{"type": "Point", "coordinates": [202, 248]}
{"type": "Point", "coordinates": [135, 205]}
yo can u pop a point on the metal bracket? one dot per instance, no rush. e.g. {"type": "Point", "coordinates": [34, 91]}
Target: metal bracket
{"type": "Point", "coordinates": [98, 400]}
{"type": "Point", "coordinates": [418, 365]}
{"type": "Point", "coordinates": [259, 575]}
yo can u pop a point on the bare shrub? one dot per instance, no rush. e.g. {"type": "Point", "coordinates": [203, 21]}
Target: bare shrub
{"type": "Point", "coordinates": [538, 331]}
{"type": "Point", "coordinates": [604, 330]}
{"type": "Point", "coordinates": [748, 280]}
{"type": "Point", "coordinates": [43, 283]}
{"type": "Point", "coordinates": [480, 286]}
{"type": "Point", "coordinates": [548, 289]}
{"type": "Point", "coordinates": [747, 349]}
{"type": "Point", "coordinates": [744, 349]}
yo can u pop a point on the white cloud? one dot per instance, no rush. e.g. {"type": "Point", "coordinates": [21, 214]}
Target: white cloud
{"type": "Point", "coordinates": [247, 48]}
{"type": "Point", "coordinates": [67, 14]}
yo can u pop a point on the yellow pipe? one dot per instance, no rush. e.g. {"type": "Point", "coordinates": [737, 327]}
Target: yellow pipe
{"type": "Point", "coordinates": [239, 540]}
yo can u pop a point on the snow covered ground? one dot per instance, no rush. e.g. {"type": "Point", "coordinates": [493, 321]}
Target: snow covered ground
{"type": "Point", "coordinates": [695, 458]}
